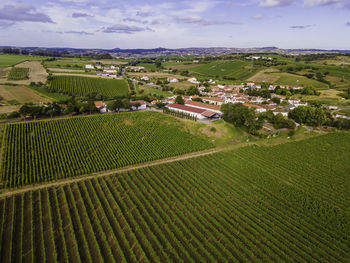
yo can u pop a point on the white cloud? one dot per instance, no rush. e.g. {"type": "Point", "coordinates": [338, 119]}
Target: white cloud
{"type": "Point", "coordinates": [321, 2]}
{"type": "Point", "coordinates": [275, 3]}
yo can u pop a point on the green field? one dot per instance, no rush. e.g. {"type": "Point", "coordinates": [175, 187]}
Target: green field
{"type": "Point", "coordinates": [237, 69]}
{"type": "Point", "coordinates": [151, 91]}
{"type": "Point", "coordinates": [286, 203]}
{"type": "Point", "coordinates": [82, 86]}
{"type": "Point", "coordinates": [17, 73]}
{"type": "Point", "coordinates": [10, 60]}
{"type": "Point", "coordinates": [50, 150]}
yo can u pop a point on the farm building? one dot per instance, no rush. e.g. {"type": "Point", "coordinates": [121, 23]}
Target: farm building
{"type": "Point", "coordinates": [203, 106]}
{"type": "Point", "coordinates": [196, 112]}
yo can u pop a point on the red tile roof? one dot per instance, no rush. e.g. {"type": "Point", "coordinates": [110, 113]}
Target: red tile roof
{"type": "Point", "coordinates": [213, 99]}
{"type": "Point", "coordinates": [208, 113]}
{"type": "Point", "coordinates": [203, 105]}
{"type": "Point", "coordinates": [185, 108]}
{"type": "Point", "coordinates": [99, 104]}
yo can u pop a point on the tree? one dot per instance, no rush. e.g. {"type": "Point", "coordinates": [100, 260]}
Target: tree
{"type": "Point", "coordinates": [276, 100]}
{"type": "Point", "coordinates": [240, 115]}
{"type": "Point", "coordinates": [111, 106]}
{"type": "Point", "coordinates": [179, 100]}
{"type": "Point", "coordinates": [126, 104]}
{"type": "Point", "coordinates": [159, 104]}
{"type": "Point", "coordinates": [308, 115]}
{"type": "Point", "coordinates": [137, 105]}
{"type": "Point", "coordinates": [192, 91]}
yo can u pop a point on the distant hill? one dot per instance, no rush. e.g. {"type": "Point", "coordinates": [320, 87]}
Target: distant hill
{"type": "Point", "coordinates": [214, 51]}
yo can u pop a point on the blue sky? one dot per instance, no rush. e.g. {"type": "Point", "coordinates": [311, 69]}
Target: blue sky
{"type": "Point", "coordinates": [174, 24]}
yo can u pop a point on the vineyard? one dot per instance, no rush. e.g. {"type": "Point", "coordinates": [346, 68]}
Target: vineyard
{"type": "Point", "coordinates": [82, 86]}
{"type": "Point", "coordinates": [245, 205]}
{"type": "Point", "coordinates": [50, 150]}
{"type": "Point", "coordinates": [18, 73]}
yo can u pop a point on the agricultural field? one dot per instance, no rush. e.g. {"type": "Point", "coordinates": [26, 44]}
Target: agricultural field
{"type": "Point", "coordinates": [21, 94]}
{"type": "Point", "coordinates": [82, 86]}
{"type": "Point", "coordinates": [17, 73]}
{"type": "Point", "coordinates": [237, 69]}
{"type": "Point", "coordinates": [253, 204]}
{"type": "Point", "coordinates": [152, 91]}
{"type": "Point", "coordinates": [42, 151]}
{"type": "Point", "coordinates": [7, 60]}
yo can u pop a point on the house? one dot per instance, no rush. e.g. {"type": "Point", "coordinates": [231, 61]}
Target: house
{"type": "Point", "coordinates": [145, 78]}
{"type": "Point", "coordinates": [101, 106]}
{"type": "Point", "coordinates": [258, 108]}
{"type": "Point", "coordinates": [110, 71]}
{"type": "Point", "coordinates": [143, 105]}
{"type": "Point", "coordinates": [172, 80]}
{"type": "Point", "coordinates": [193, 80]}
{"type": "Point", "coordinates": [213, 100]}
{"type": "Point", "coordinates": [89, 66]}
{"type": "Point", "coordinates": [195, 112]}
{"type": "Point", "coordinates": [135, 68]}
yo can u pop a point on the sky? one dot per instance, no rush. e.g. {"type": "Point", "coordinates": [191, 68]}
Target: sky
{"type": "Point", "coordinates": [323, 24]}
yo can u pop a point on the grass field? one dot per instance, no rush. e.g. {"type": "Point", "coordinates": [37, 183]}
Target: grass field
{"type": "Point", "coordinates": [10, 60]}
{"type": "Point", "coordinates": [21, 95]}
{"type": "Point", "coordinates": [152, 91]}
{"type": "Point", "coordinates": [50, 150]}
{"type": "Point", "coordinates": [17, 73]}
{"type": "Point", "coordinates": [236, 69]}
{"type": "Point", "coordinates": [82, 86]}
{"type": "Point", "coordinates": [254, 204]}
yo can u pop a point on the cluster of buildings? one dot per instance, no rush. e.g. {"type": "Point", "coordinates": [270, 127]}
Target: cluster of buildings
{"type": "Point", "coordinates": [135, 68]}
{"type": "Point", "coordinates": [220, 95]}
{"type": "Point", "coordinates": [108, 71]}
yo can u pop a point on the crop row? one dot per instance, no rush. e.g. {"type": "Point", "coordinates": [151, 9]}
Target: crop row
{"type": "Point", "coordinates": [50, 150]}
{"type": "Point", "coordinates": [214, 208]}
{"type": "Point", "coordinates": [82, 86]}
{"type": "Point", "coordinates": [18, 73]}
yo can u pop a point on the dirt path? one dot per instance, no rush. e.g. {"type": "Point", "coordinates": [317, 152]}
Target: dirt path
{"type": "Point", "coordinates": [12, 191]}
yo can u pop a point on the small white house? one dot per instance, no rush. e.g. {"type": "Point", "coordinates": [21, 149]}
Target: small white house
{"type": "Point", "coordinates": [145, 78]}
{"type": "Point", "coordinates": [172, 80]}
{"type": "Point", "coordinates": [142, 106]}
{"type": "Point", "coordinates": [89, 66]}
{"type": "Point", "coordinates": [110, 71]}
{"type": "Point", "coordinates": [193, 80]}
